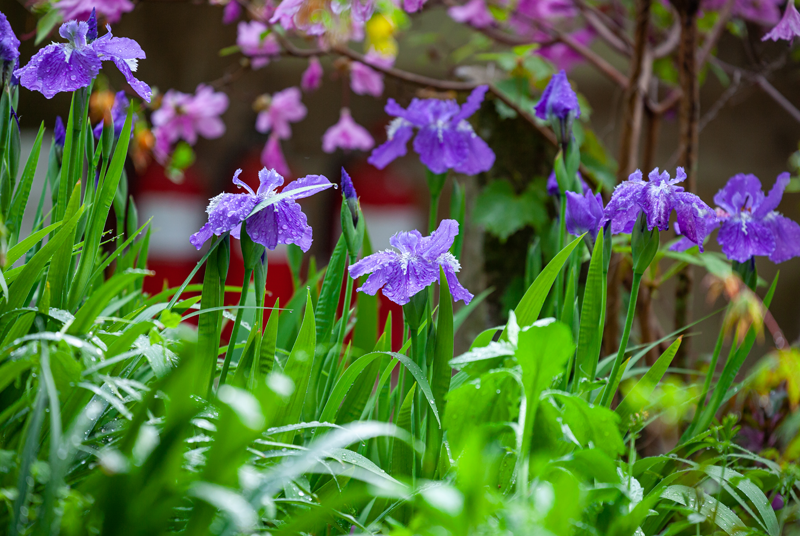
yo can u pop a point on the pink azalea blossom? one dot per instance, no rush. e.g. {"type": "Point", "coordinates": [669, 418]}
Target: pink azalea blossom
{"type": "Point", "coordinates": [346, 134]}
{"type": "Point", "coordinates": [412, 6]}
{"type": "Point", "coordinates": [272, 156]}
{"type": "Point", "coordinates": [312, 76]}
{"type": "Point", "coordinates": [473, 13]}
{"type": "Point", "coordinates": [789, 26]}
{"type": "Point", "coordinates": [256, 43]}
{"type": "Point", "coordinates": [764, 12]}
{"type": "Point", "coordinates": [112, 10]}
{"type": "Point", "coordinates": [562, 56]}
{"type": "Point", "coordinates": [285, 107]}
{"type": "Point", "coordinates": [184, 116]}
{"type": "Point", "coordinates": [232, 11]}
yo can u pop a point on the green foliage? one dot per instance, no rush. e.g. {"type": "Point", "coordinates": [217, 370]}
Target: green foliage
{"type": "Point", "coordinates": [502, 212]}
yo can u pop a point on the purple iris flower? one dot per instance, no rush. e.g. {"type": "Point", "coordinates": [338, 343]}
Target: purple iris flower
{"type": "Point", "coordinates": [9, 44]}
{"type": "Point", "coordinates": [749, 225]}
{"type": "Point", "coordinates": [414, 265]}
{"type": "Point", "coordinates": [658, 198]}
{"type": "Point", "coordinates": [552, 185]}
{"type": "Point", "coordinates": [64, 67]}
{"type": "Point", "coordinates": [119, 112]}
{"type": "Point", "coordinates": [445, 140]}
{"type": "Point", "coordinates": [559, 105]}
{"type": "Point", "coordinates": [584, 213]}
{"type": "Point", "coordinates": [348, 190]}
{"type": "Point", "coordinates": [59, 132]}
{"type": "Point", "coordinates": [280, 223]}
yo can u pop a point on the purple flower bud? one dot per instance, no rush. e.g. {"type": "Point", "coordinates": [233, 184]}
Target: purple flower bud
{"type": "Point", "coordinates": [789, 26]}
{"type": "Point", "coordinates": [59, 132]}
{"type": "Point", "coordinates": [559, 105]}
{"type": "Point", "coordinates": [232, 11]}
{"type": "Point", "coordinates": [412, 265]}
{"type": "Point", "coordinates": [584, 213]}
{"type": "Point", "coordinates": [552, 185]}
{"type": "Point", "coordinates": [778, 502]}
{"type": "Point", "coordinates": [348, 191]}
{"type": "Point", "coordinates": [91, 35]}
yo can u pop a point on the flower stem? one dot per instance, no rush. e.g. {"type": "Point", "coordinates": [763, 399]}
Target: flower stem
{"type": "Point", "coordinates": [562, 231]}
{"type": "Point", "coordinates": [235, 329]}
{"type": "Point", "coordinates": [623, 343]}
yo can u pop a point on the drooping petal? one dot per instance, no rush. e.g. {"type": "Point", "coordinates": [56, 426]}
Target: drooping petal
{"type": "Point", "coordinates": [50, 71]}
{"type": "Point", "coordinates": [398, 132]}
{"type": "Point", "coordinates": [346, 134]}
{"type": "Point", "coordinates": [656, 200]}
{"type": "Point", "coordinates": [440, 149]}
{"type": "Point", "coordinates": [787, 237]}
{"type": "Point", "coordinates": [416, 277]}
{"type": "Point", "coordinates": [225, 212]}
{"type": "Point", "coordinates": [479, 156]}
{"type": "Point", "coordinates": [319, 182]}
{"type": "Point", "coordinates": [141, 88]}
{"type": "Point", "coordinates": [773, 199]}
{"type": "Point", "coordinates": [292, 225]}
{"type": "Point", "coordinates": [711, 222]}
{"type": "Point", "coordinates": [364, 80]}
{"type": "Point", "coordinates": [9, 44]}
{"type": "Point", "coordinates": [475, 13]}
{"type": "Point", "coordinates": [200, 237]}
{"type": "Point", "coordinates": [379, 277]}
{"type": "Point", "coordinates": [457, 290]}
{"type": "Point", "coordinates": [438, 243]}
{"type": "Point", "coordinates": [692, 216]}
{"type": "Point", "coordinates": [262, 227]}
{"type": "Point", "coordinates": [742, 237]}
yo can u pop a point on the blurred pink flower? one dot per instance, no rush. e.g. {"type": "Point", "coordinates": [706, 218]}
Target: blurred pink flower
{"type": "Point", "coordinates": [256, 43]}
{"type": "Point", "coordinates": [184, 116]}
{"type": "Point", "coordinates": [232, 11]}
{"type": "Point", "coordinates": [474, 13]}
{"type": "Point", "coordinates": [764, 12]}
{"type": "Point", "coordinates": [272, 156]}
{"type": "Point", "coordinates": [112, 10]}
{"type": "Point", "coordinates": [789, 26]}
{"type": "Point", "coordinates": [312, 76]}
{"type": "Point", "coordinates": [412, 6]}
{"type": "Point", "coordinates": [346, 134]}
{"type": "Point", "coordinates": [285, 107]}
{"type": "Point", "coordinates": [364, 80]}
{"type": "Point", "coordinates": [562, 56]}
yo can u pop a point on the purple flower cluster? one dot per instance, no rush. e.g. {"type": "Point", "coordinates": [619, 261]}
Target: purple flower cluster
{"type": "Point", "coordinates": [413, 266]}
{"type": "Point", "coordinates": [445, 140]}
{"type": "Point", "coordinates": [283, 222]}
{"type": "Point", "coordinates": [63, 67]}
{"type": "Point", "coordinates": [658, 198]}
{"type": "Point", "coordinates": [749, 224]}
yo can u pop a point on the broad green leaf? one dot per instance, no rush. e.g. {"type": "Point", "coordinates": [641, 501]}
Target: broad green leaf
{"type": "Point", "coordinates": [638, 398]}
{"type": "Point", "coordinates": [87, 314]}
{"type": "Point", "coordinates": [209, 324]}
{"type": "Point", "coordinates": [99, 214]}
{"type": "Point", "coordinates": [328, 302]}
{"type": "Point", "coordinates": [502, 212]}
{"type": "Point", "coordinates": [266, 359]}
{"type": "Point", "coordinates": [365, 332]}
{"type": "Point", "coordinates": [298, 367]}
{"type": "Point", "coordinates": [591, 329]}
{"type": "Point", "coordinates": [707, 506]}
{"type": "Point", "coordinates": [529, 307]}
{"type": "Point", "coordinates": [402, 455]}
{"type": "Point", "coordinates": [591, 424]}
{"type": "Point", "coordinates": [23, 246]}
{"type": "Point", "coordinates": [29, 276]}
{"type": "Point", "coordinates": [62, 262]}
{"type": "Point", "coordinates": [23, 192]}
